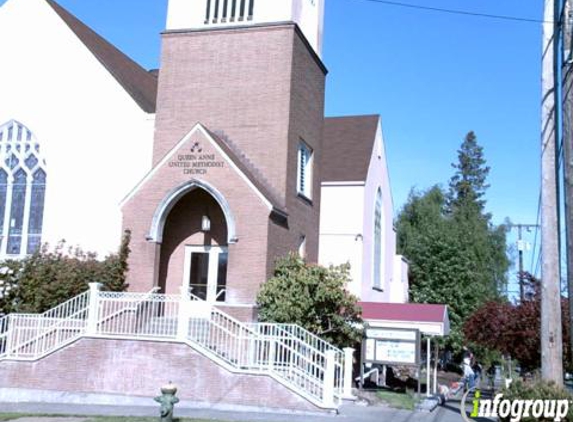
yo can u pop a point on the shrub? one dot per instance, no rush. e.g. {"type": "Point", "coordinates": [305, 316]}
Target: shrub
{"type": "Point", "coordinates": [537, 391]}
{"type": "Point", "coordinates": [313, 297]}
{"type": "Point", "coordinates": [47, 278]}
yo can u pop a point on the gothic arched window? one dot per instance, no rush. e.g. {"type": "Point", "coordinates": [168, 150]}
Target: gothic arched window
{"type": "Point", "coordinates": [378, 258]}
{"type": "Point", "coordinates": [22, 190]}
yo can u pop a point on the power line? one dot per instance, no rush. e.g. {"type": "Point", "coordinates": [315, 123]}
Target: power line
{"type": "Point", "coordinates": [538, 223]}
{"type": "Point", "coordinates": [458, 12]}
{"type": "Point", "coordinates": [538, 264]}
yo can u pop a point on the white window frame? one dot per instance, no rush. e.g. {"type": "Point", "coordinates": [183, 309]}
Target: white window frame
{"type": "Point", "coordinates": [304, 173]}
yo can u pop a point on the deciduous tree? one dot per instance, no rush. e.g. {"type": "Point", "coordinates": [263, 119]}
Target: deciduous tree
{"type": "Point", "coordinates": [515, 329]}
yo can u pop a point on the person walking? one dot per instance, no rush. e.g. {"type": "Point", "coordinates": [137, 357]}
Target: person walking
{"type": "Point", "coordinates": [469, 374]}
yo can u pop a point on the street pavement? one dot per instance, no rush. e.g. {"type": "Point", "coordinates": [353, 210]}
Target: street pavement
{"type": "Point", "coordinates": [450, 412]}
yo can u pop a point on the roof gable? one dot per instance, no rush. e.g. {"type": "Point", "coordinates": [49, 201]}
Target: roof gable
{"type": "Point", "coordinates": [137, 82]}
{"type": "Point", "coordinates": [238, 162]}
{"type": "Point", "coordinates": [347, 147]}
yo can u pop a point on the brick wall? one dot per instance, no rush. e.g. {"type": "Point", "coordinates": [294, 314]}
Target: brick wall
{"type": "Point", "coordinates": [263, 87]}
{"type": "Point", "coordinates": [247, 258]}
{"type": "Point", "coordinates": [139, 368]}
{"type": "Point", "coordinates": [306, 121]}
{"type": "Point", "coordinates": [236, 81]}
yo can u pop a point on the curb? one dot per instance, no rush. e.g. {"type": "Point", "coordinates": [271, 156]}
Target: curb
{"type": "Point", "coordinates": [429, 404]}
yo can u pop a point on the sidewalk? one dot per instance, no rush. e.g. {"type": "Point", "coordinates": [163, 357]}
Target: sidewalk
{"type": "Point", "coordinates": [348, 412]}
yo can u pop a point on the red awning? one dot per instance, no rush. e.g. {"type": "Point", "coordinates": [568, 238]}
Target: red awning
{"type": "Point", "coordinates": [428, 318]}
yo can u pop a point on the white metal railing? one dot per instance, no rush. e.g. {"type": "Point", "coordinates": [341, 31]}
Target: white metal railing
{"type": "Point", "coordinates": [68, 309]}
{"type": "Point", "coordinates": [30, 336]}
{"type": "Point", "coordinates": [293, 356]}
{"type": "Point", "coordinates": [3, 334]}
{"type": "Point", "coordinates": [305, 354]}
{"type": "Point", "coordinates": [134, 314]}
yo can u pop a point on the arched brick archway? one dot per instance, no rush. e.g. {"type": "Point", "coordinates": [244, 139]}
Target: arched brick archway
{"type": "Point", "coordinates": [190, 255]}
{"type": "Point", "coordinates": [172, 198]}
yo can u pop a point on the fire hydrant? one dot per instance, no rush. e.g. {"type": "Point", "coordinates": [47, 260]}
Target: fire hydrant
{"type": "Point", "coordinates": [167, 400]}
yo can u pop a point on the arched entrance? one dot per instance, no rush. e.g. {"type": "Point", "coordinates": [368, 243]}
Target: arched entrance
{"type": "Point", "coordinates": [193, 229]}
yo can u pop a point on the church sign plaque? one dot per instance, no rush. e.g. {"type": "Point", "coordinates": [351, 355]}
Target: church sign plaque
{"type": "Point", "coordinates": [196, 162]}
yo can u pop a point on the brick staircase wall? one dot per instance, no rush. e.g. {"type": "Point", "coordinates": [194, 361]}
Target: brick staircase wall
{"type": "Point", "coordinates": [139, 368]}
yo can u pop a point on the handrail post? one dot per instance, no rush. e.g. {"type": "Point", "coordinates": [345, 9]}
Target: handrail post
{"type": "Point", "coordinates": [183, 314]}
{"type": "Point", "coordinates": [272, 353]}
{"type": "Point", "coordinates": [93, 309]}
{"type": "Point", "coordinates": [328, 388]}
{"type": "Point", "coordinates": [9, 334]}
{"type": "Point", "coordinates": [347, 382]}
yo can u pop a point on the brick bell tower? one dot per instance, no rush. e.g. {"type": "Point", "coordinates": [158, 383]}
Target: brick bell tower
{"type": "Point", "coordinates": [248, 74]}
{"type": "Point", "coordinates": [250, 70]}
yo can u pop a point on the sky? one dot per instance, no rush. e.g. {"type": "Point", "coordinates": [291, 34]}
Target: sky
{"type": "Point", "coordinates": [431, 76]}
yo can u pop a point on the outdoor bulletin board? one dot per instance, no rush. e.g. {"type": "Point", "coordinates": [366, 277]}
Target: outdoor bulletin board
{"type": "Point", "coordinates": [391, 346]}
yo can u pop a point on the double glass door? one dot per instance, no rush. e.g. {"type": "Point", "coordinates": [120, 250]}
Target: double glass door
{"type": "Point", "coordinates": [206, 272]}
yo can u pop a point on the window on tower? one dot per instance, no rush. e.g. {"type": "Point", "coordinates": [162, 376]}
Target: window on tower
{"type": "Point", "coordinates": [304, 173]}
{"type": "Point", "coordinates": [223, 11]}
{"type": "Point", "coordinates": [22, 190]}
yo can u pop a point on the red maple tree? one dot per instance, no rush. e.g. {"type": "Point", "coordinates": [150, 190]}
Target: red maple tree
{"type": "Point", "coordinates": [515, 330]}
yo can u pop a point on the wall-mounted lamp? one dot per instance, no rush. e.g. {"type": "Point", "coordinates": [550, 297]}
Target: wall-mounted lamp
{"type": "Point", "coordinates": [205, 224]}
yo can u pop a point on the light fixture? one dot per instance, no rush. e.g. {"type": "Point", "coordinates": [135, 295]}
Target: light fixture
{"type": "Point", "coordinates": [205, 224]}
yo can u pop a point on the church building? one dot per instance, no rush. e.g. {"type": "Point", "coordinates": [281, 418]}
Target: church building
{"type": "Point", "coordinates": [219, 163]}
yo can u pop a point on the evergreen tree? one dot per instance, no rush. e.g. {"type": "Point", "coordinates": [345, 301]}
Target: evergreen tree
{"type": "Point", "coordinates": [468, 184]}
{"type": "Point", "coordinates": [457, 257]}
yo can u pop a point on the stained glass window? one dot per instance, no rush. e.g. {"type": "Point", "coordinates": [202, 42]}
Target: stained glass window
{"type": "Point", "coordinates": [17, 213]}
{"type": "Point", "coordinates": [3, 192]}
{"type": "Point", "coordinates": [22, 190]}
{"type": "Point", "coordinates": [36, 211]}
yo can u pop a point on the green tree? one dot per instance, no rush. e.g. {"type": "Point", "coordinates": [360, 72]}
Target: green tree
{"type": "Point", "coordinates": [313, 297]}
{"type": "Point", "coordinates": [468, 184]}
{"type": "Point", "coordinates": [49, 277]}
{"type": "Point", "coordinates": [457, 257]}
{"type": "Point", "coordinates": [485, 242]}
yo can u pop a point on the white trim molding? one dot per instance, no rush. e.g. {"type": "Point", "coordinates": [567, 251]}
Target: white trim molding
{"type": "Point", "coordinates": [169, 201]}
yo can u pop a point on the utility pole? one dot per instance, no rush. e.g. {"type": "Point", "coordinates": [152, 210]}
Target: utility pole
{"type": "Point", "coordinates": [520, 249]}
{"type": "Point", "coordinates": [567, 72]}
{"type": "Point", "coordinates": [551, 336]}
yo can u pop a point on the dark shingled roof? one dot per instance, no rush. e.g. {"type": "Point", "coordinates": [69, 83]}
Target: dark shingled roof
{"type": "Point", "coordinates": [141, 85]}
{"type": "Point", "coordinates": [347, 147]}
